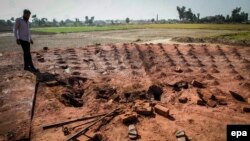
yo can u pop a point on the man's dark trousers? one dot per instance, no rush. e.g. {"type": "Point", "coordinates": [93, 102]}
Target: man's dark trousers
{"type": "Point", "coordinates": [26, 54]}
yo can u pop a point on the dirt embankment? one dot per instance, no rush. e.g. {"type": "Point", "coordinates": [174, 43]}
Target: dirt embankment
{"type": "Point", "coordinates": [211, 40]}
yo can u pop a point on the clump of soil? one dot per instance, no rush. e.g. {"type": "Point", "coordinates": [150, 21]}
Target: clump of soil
{"type": "Point", "coordinates": [188, 40]}
{"type": "Point", "coordinates": [238, 77]}
{"type": "Point", "coordinates": [246, 85]}
{"type": "Point", "coordinates": [105, 92]}
{"type": "Point", "coordinates": [211, 40]}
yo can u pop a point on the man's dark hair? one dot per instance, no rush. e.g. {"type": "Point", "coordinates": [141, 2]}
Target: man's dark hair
{"type": "Point", "coordinates": [26, 11]}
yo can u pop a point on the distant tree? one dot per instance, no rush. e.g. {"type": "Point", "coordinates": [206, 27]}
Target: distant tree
{"type": "Point", "coordinates": [243, 17]}
{"type": "Point", "coordinates": [54, 22]}
{"type": "Point", "coordinates": [9, 23]}
{"type": "Point", "coordinates": [153, 20]}
{"type": "Point", "coordinates": [238, 16]}
{"type": "Point", "coordinates": [189, 16]}
{"type": "Point", "coordinates": [194, 18]}
{"type": "Point", "coordinates": [43, 21]}
{"type": "Point", "coordinates": [186, 15]}
{"type": "Point", "coordinates": [246, 16]}
{"type": "Point", "coordinates": [33, 16]}
{"type": "Point", "coordinates": [181, 12]}
{"type": "Point", "coordinates": [77, 22]}
{"type": "Point", "coordinates": [198, 16]}
{"type": "Point", "coordinates": [62, 23]}
{"type": "Point", "coordinates": [12, 19]}
{"type": "Point", "coordinates": [86, 19]}
{"type": "Point", "coordinates": [219, 19]}
{"type": "Point", "coordinates": [35, 20]}
{"type": "Point", "coordinates": [91, 21]}
{"type": "Point", "coordinates": [2, 22]}
{"type": "Point", "coordinates": [127, 20]}
{"type": "Point", "coordinates": [213, 19]}
{"type": "Point", "coordinates": [227, 19]}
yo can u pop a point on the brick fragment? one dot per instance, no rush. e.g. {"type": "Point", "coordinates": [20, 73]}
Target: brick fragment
{"type": "Point", "coordinates": [161, 110]}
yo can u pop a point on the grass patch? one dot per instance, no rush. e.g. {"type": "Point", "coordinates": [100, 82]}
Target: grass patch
{"type": "Point", "coordinates": [84, 28]}
{"type": "Point", "coordinates": [202, 26]}
{"type": "Point", "coordinates": [242, 36]}
{"type": "Point", "coordinates": [239, 27]}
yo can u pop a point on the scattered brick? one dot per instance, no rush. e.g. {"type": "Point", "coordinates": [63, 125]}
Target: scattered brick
{"type": "Point", "coordinates": [211, 103]}
{"type": "Point", "coordinates": [146, 111]}
{"type": "Point", "coordinates": [222, 102]}
{"type": "Point", "coordinates": [183, 99]}
{"type": "Point", "coordinates": [129, 118]}
{"type": "Point", "coordinates": [178, 69]}
{"type": "Point", "coordinates": [161, 110]}
{"type": "Point", "coordinates": [200, 102]}
{"type": "Point", "coordinates": [143, 108]}
{"type": "Point", "coordinates": [246, 109]}
{"type": "Point", "coordinates": [197, 84]}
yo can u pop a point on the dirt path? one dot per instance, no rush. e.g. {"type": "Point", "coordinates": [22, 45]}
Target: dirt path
{"type": "Point", "coordinates": [7, 41]}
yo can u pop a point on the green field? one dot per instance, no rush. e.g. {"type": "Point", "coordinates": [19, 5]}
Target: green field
{"type": "Point", "coordinates": [236, 27]}
{"type": "Point", "coordinates": [242, 36]}
{"type": "Point", "coordinates": [85, 28]}
{"type": "Point", "coordinates": [239, 38]}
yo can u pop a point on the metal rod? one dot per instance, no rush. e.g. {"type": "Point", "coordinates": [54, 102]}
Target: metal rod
{"type": "Point", "coordinates": [84, 130]}
{"type": "Point", "coordinates": [69, 121]}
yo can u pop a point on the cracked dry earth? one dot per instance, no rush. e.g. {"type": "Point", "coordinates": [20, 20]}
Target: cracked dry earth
{"type": "Point", "coordinates": [120, 69]}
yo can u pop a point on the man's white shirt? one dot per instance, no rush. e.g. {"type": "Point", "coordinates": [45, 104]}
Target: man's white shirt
{"type": "Point", "coordinates": [21, 30]}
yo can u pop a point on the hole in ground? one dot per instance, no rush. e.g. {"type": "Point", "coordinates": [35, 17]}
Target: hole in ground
{"type": "Point", "coordinates": [156, 92]}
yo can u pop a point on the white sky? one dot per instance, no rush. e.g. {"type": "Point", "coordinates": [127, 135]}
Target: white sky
{"type": "Point", "coordinates": [117, 9]}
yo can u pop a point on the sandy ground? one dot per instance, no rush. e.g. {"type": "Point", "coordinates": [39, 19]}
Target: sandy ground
{"type": "Point", "coordinates": [7, 41]}
{"type": "Point", "coordinates": [132, 68]}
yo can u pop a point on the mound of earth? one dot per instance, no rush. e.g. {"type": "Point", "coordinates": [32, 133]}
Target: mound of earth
{"type": "Point", "coordinates": [211, 40]}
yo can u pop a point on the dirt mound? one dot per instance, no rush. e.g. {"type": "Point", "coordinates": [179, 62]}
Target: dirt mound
{"type": "Point", "coordinates": [245, 85]}
{"type": "Point", "coordinates": [188, 40]}
{"type": "Point", "coordinates": [211, 40]}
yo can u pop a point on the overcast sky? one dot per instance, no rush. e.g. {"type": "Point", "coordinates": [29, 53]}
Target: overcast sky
{"type": "Point", "coordinates": [117, 9]}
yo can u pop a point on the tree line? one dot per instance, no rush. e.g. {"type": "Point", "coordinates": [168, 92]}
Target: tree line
{"type": "Point", "coordinates": [187, 16]}
{"type": "Point", "coordinates": [44, 22]}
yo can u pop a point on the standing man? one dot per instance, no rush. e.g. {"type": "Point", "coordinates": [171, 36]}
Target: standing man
{"type": "Point", "coordinates": [23, 38]}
